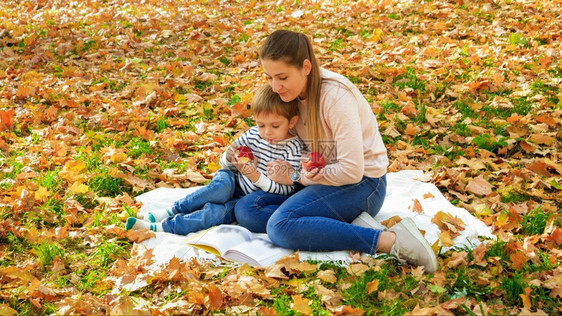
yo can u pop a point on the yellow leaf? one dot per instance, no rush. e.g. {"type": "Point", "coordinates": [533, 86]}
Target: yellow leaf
{"type": "Point", "coordinates": [373, 286]}
{"type": "Point", "coordinates": [5, 309]}
{"type": "Point", "coordinates": [123, 215]}
{"type": "Point", "coordinates": [42, 194]}
{"type": "Point", "coordinates": [377, 35]}
{"type": "Point", "coordinates": [301, 305]}
{"type": "Point", "coordinates": [435, 246]}
{"type": "Point", "coordinates": [213, 166]}
{"type": "Point", "coordinates": [445, 238]}
{"type": "Point", "coordinates": [75, 165]}
{"type": "Point", "coordinates": [118, 157]}
{"type": "Point", "coordinates": [525, 298]}
{"type": "Point", "coordinates": [78, 188]}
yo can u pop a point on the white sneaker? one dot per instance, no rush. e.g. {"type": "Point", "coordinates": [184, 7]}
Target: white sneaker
{"type": "Point", "coordinates": [366, 220]}
{"type": "Point", "coordinates": [411, 247]}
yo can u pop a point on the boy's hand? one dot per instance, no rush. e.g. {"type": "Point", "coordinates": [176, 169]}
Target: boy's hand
{"type": "Point", "coordinates": [230, 154]}
{"type": "Point", "coordinates": [247, 168]}
{"type": "Point", "coordinates": [280, 171]}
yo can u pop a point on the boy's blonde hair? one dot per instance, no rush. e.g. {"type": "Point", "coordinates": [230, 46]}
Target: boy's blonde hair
{"type": "Point", "coordinates": [266, 101]}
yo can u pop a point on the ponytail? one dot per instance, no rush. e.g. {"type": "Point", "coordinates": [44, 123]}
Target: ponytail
{"type": "Point", "coordinates": [294, 48]}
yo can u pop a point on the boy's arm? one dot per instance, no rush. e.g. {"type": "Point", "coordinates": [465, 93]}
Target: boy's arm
{"type": "Point", "coordinates": [226, 159]}
{"type": "Point", "coordinates": [292, 156]}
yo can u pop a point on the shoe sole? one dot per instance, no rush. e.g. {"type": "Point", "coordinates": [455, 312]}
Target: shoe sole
{"type": "Point", "coordinates": [414, 230]}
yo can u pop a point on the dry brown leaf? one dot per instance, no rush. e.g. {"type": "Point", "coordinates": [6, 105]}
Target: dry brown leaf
{"type": "Point", "coordinates": [392, 221]}
{"type": "Point", "coordinates": [417, 208]}
{"type": "Point", "coordinates": [479, 186]}
{"type": "Point", "coordinates": [215, 297]}
{"type": "Point", "coordinates": [357, 269]}
{"type": "Point", "coordinates": [428, 195]}
{"type": "Point", "coordinates": [327, 276]}
{"type": "Point", "coordinates": [457, 259]}
{"type": "Point", "coordinates": [347, 310]}
{"type": "Point", "coordinates": [139, 235]}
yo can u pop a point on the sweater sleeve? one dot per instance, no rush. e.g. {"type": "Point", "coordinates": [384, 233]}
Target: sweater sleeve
{"type": "Point", "coordinates": [345, 150]}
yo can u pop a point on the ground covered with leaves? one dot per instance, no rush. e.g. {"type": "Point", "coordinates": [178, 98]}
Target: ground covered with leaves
{"type": "Point", "coordinates": [103, 100]}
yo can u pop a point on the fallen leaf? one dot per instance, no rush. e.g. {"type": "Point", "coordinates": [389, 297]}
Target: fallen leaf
{"type": "Point", "coordinates": [392, 221]}
{"type": "Point", "coordinates": [479, 186]}
{"type": "Point", "coordinates": [518, 260]}
{"type": "Point", "coordinates": [428, 195]}
{"type": "Point", "coordinates": [140, 235]}
{"type": "Point", "coordinates": [417, 207]}
{"type": "Point", "coordinates": [373, 286]}
{"type": "Point", "coordinates": [301, 305]}
{"type": "Point", "coordinates": [6, 310]}
{"type": "Point", "coordinates": [327, 276]}
{"type": "Point", "coordinates": [347, 310]}
{"type": "Point", "coordinates": [445, 239]}
{"type": "Point", "coordinates": [6, 119]}
{"type": "Point", "coordinates": [215, 297]}
{"type": "Point", "coordinates": [525, 298]}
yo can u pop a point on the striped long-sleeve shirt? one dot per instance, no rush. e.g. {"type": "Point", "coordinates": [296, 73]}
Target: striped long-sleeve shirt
{"type": "Point", "coordinates": [289, 150]}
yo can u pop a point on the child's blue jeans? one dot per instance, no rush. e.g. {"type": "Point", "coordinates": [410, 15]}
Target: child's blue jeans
{"type": "Point", "coordinates": [317, 217]}
{"type": "Point", "coordinates": [210, 205]}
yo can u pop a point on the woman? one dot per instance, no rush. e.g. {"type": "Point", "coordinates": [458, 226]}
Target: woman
{"type": "Point", "coordinates": [337, 121]}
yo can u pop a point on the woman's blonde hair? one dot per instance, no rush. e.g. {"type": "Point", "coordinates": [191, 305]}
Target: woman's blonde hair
{"type": "Point", "coordinates": [294, 48]}
{"type": "Point", "coordinates": [266, 101]}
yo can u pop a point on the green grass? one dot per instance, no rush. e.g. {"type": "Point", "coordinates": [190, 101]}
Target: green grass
{"type": "Point", "coordinates": [389, 107]}
{"type": "Point", "coordinates": [409, 79]}
{"type": "Point", "coordinates": [463, 284]}
{"type": "Point", "coordinates": [488, 142]}
{"type": "Point", "coordinates": [512, 287]}
{"type": "Point", "coordinates": [47, 252]}
{"type": "Point", "coordinates": [534, 222]}
{"type": "Point", "coordinates": [138, 147]}
{"type": "Point", "coordinates": [104, 184]}
{"type": "Point", "coordinates": [50, 180]}
{"type": "Point", "coordinates": [108, 251]}
{"type": "Point", "coordinates": [336, 45]}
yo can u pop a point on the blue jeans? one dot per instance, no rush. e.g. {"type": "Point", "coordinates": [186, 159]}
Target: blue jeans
{"type": "Point", "coordinates": [317, 217]}
{"type": "Point", "coordinates": [211, 205]}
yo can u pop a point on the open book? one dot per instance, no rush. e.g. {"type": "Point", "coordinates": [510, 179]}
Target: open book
{"type": "Point", "coordinates": [236, 243]}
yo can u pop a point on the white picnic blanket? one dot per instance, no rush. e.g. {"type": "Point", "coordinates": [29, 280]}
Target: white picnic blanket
{"type": "Point", "coordinates": [402, 189]}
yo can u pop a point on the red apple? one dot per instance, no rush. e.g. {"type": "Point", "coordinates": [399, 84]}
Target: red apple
{"type": "Point", "coordinates": [244, 154]}
{"type": "Point", "coordinates": [314, 160]}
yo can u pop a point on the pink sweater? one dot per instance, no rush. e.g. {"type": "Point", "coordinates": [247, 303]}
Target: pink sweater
{"type": "Point", "coordinates": [352, 143]}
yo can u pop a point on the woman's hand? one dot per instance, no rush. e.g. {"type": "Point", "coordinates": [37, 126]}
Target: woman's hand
{"type": "Point", "coordinates": [280, 171]}
{"type": "Point", "coordinates": [314, 174]}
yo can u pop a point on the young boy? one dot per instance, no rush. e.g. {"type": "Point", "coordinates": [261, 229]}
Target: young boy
{"type": "Point", "coordinates": [271, 139]}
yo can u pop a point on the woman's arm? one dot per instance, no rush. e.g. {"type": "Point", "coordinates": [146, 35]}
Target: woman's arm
{"type": "Point", "coordinates": [345, 150]}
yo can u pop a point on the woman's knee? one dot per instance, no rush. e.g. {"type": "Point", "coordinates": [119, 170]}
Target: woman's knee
{"type": "Point", "coordinates": [278, 230]}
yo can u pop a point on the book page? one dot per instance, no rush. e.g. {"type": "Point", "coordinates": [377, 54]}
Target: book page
{"type": "Point", "coordinates": [259, 251]}
{"type": "Point", "coordinates": [220, 238]}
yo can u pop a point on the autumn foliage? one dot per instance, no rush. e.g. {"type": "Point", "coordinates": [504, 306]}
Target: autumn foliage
{"type": "Point", "coordinates": [103, 100]}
